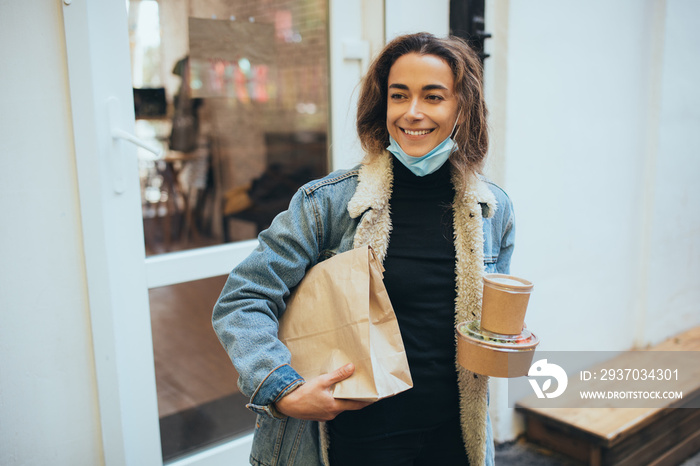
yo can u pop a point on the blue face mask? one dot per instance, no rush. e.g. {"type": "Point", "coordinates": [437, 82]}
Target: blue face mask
{"type": "Point", "coordinates": [427, 164]}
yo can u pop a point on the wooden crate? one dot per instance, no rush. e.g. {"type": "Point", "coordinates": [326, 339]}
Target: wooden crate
{"type": "Point", "coordinates": [624, 436]}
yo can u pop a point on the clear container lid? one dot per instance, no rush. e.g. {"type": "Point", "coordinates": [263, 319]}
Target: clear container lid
{"type": "Point", "coordinates": [507, 282]}
{"type": "Point", "coordinates": [473, 331]}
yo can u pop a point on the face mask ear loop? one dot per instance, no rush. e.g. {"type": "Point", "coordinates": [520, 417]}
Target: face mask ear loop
{"type": "Point", "coordinates": [453, 132]}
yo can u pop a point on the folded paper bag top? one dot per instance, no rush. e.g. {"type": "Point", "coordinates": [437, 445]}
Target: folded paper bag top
{"type": "Point", "coordinates": [341, 313]}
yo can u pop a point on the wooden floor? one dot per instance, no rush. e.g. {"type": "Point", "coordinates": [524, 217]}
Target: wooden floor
{"type": "Point", "coordinates": [191, 366]}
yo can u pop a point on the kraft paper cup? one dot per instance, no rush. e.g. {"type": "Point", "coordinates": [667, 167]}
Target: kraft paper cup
{"type": "Point", "coordinates": [486, 353]}
{"type": "Point", "coordinates": [504, 303]}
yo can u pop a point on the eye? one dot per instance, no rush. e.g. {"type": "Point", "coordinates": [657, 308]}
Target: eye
{"type": "Point", "coordinates": [435, 97]}
{"type": "Point", "coordinates": [396, 96]}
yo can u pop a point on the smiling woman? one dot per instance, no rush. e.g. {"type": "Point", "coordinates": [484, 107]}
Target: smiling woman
{"type": "Point", "coordinates": [420, 105]}
{"type": "Point", "coordinates": [422, 108]}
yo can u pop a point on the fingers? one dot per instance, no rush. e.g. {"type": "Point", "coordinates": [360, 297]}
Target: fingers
{"type": "Point", "coordinates": [341, 374]}
{"type": "Point", "coordinates": [351, 405]}
{"type": "Point", "coordinates": [314, 400]}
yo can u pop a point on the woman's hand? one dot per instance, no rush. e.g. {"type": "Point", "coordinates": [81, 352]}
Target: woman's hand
{"type": "Point", "coordinates": [313, 400]}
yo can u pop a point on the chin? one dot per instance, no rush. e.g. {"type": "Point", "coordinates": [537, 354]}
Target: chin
{"type": "Point", "coordinates": [420, 151]}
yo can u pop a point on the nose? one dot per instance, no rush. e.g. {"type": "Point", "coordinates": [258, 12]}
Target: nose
{"type": "Point", "coordinates": [414, 111]}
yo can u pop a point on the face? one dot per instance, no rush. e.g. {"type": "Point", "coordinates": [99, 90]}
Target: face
{"type": "Point", "coordinates": [421, 105]}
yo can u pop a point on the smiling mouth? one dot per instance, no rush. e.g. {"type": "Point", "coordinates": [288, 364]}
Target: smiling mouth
{"type": "Point", "coordinates": [419, 132]}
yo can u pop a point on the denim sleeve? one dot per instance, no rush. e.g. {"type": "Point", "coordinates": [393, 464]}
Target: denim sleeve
{"type": "Point", "coordinates": [507, 236]}
{"type": "Point", "coordinates": [246, 315]}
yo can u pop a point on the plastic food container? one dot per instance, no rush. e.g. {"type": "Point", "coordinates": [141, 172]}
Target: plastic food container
{"type": "Point", "coordinates": [492, 354]}
{"type": "Point", "coordinates": [504, 303]}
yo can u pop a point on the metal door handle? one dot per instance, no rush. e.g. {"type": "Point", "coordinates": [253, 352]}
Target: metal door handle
{"type": "Point", "coordinates": [118, 133]}
{"type": "Point", "coordinates": [117, 162]}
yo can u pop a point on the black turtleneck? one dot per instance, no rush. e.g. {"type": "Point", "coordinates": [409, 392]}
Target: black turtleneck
{"type": "Point", "coordinates": [420, 280]}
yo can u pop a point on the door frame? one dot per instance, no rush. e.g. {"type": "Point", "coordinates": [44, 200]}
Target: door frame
{"type": "Point", "coordinates": [117, 294]}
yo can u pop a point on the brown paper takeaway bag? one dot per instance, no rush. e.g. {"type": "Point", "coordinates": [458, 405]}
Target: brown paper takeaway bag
{"type": "Point", "coordinates": [341, 313]}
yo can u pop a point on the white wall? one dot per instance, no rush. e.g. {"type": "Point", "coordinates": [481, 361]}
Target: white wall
{"type": "Point", "coordinates": [575, 120]}
{"type": "Point", "coordinates": [48, 399]}
{"type": "Point", "coordinates": [672, 283]}
{"type": "Point", "coordinates": [600, 154]}
{"type": "Point", "coordinates": [411, 16]}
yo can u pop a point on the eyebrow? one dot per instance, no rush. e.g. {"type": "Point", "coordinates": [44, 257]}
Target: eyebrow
{"type": "Point", "coordinates": [427, 87]}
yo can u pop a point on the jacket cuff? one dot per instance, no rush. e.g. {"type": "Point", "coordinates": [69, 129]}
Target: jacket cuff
{"type": "Point", "coordinates": [278, 383]}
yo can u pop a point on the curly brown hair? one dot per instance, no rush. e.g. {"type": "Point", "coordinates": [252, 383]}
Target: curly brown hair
{"type": "Point", "coordinates": [472, 135]}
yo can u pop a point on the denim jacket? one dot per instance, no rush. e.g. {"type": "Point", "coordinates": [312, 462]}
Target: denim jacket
{"type": "Point", "coordinates": [346, 209]}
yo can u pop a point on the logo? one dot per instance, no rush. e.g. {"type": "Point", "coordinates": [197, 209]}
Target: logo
{"type": "Point", "coordinates": [542, 368]}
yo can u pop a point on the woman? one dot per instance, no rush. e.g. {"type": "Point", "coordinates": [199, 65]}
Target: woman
{"type": "Point", "coordinates": [421, 105]}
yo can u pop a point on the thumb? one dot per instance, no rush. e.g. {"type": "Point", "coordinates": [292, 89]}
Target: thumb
{"type": "Point", "coordinates": [341, 373]}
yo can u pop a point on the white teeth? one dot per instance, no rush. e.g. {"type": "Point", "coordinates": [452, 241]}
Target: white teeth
{"type": "Point", "coordinates": [417, 133]}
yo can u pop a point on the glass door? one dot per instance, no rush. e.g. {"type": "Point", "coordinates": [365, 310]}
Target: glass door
{"type": "Point", "coordinates": [236, 95]}
{"type": "Point", "coordinates": [229, 103]}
